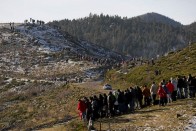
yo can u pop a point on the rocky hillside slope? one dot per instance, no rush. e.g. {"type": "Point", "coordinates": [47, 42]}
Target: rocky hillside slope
{"type": "Point", "coordinates": [37, 51]}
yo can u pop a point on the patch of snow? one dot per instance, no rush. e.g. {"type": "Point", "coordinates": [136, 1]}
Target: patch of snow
{"type": "Point", "coordinates": [192, 125]}
{"type": "Point", "coordinates": [9, 80]}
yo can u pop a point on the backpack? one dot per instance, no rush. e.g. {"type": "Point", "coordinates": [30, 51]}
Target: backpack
{"type": "Point", "coordinates": [94, 104]}
{"type": "Point", "coordinates": [165, 89]}
{"type": "Point", "coordinates": [111, 99]}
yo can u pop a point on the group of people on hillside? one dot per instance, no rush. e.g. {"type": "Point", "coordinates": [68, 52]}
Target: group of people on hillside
{"type": "Point", "coordinates": [122, 102]}
{"type": "Point", "coordinates": [100, 61]}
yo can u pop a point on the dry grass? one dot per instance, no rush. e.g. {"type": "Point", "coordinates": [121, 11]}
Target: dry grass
{"type": "Point", "coordinates": [55, 110]}
{"type": "Point", "coordinates": [45, 108]}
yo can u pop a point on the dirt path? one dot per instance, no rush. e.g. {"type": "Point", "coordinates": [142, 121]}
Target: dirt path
{"type": "Point", "coordinates": [174, 116]}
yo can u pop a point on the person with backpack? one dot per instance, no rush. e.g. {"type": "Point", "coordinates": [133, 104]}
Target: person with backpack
{"type": "Point", "coordinates": [111, 100]}
{"type": "Point", "coordinates": [100, 103]}
{"type": "Point", "coordinates": [185, 88]}
{"type": "Point", "coordinates": [190, 87]}
{"type": "Point", "coordinates": [140, 97]}
{"type": "Point", "coordinates": [132, 97]}
{"type": "Point", "coordinates": [174, 93]}
{"type": "Point", "coordinates": [116, 109]}
{"type": "Point", "coordinates": [127, 98]}
{"type": "Point", "coordinates": [193, 83]}
{"type": "Point", "coordinates": [179, 87]}
{"type": "Point", "coordinates": [162, 95]}
{"type": "Point", "coordinates": [105, 105]}
{"type": "Point", "coordinates": [153, 91]}
{"type": "Point", "coordinates": [163, 83]}
{"type": "Point", "coordinates": [88, 108]}
{"type": "Point", "coordinates": [120, 101]}
{"type": "Point", "coordinates": [95, 107]}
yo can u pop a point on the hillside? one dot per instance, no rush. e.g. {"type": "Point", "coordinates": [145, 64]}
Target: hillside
{"type": "Point", "coordinates": [33, 48]}
{"type": "Point", "coordinates": [39, 88]}
{"type": "Point", "coordinates": [37, 61]}
{"type": "Point", "coordinates": [174, 64]}
{"type": "Point", "coordinates": [174, 116]}
{"type": "Point", "coordinates": [147, 35]}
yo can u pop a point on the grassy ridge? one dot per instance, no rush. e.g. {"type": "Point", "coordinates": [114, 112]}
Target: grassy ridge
{"type": "Point", "coordinates": [40, 109]}
{"type": "Point", "coordinates": [174, 64]}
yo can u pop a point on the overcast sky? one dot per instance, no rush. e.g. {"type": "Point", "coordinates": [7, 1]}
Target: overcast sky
{"type": "Point", "coordinates": [183, 11]}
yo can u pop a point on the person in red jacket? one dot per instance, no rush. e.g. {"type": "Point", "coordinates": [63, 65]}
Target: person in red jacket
{"type": "Point", "coordinates": [170, 88]}
{"type": "Point", "coordinates": [162, 95]}
{"type": "Point", "coordinates": [82, 109]}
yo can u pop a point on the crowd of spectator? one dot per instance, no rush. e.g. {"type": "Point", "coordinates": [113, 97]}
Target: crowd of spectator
{"type": "Point", "coordinates": [122, 102]}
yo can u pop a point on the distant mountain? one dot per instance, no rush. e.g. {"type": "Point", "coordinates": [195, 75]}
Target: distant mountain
{"type": "Point", "coordinates": [191, 29]}
{"type": "Point", "coordinates": [152, 17]}
{"type": "Point", "coordinates": [147, 35]}
{"type": "Point", "coordinates": [192, 26]}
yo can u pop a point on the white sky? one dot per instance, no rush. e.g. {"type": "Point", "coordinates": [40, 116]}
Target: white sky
{"type": "Point", "coordinates": [183, 11]}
